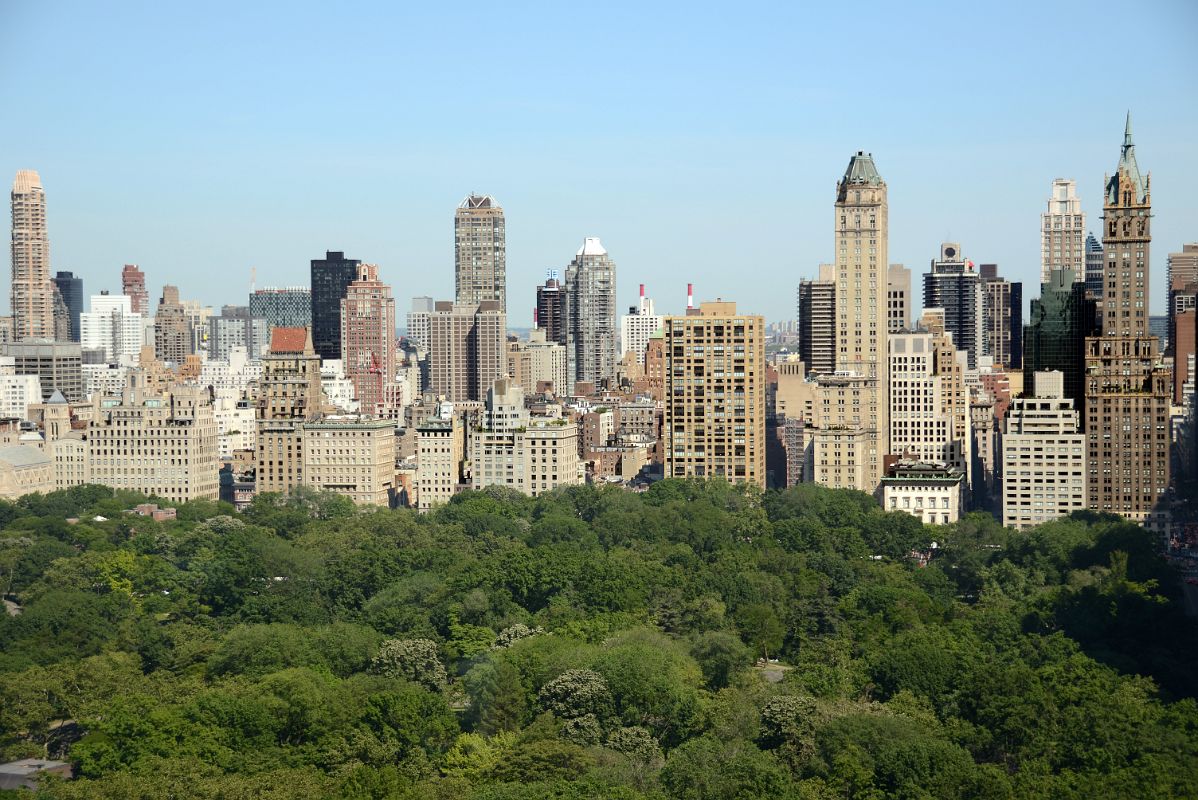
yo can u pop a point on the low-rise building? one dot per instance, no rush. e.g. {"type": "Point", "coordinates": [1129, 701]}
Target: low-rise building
{"type": "Point", "coordinates": [931, 492]}
{"type": "Point", "coordinates": [25, 470]}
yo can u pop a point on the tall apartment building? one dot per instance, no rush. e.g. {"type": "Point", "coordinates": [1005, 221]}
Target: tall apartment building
{"type": "Point", "coordinates": [440, 453]}
{"type": "Point", "coordinates": [1003, 318]}
{"type": "Point", "coordinates": [418, 321]}
{"type": "Point", "coordinates": [289, 307]}
{"type": "Point", "coordinates": [537, 361]}
{"type": "Point", "coordinates": [955, 286]}
{"type": "Point", "coordinates": [532, 455]}
{"type": "Point", "coordinates": [236, 327]}
{"type": "Point", "coordinates": [331, 276]}
{"type": "Point", "coordinates": [352, 457]}
{"type": "Point", "coordinates": [817, 321]}
{"type": "Point", "coordinates": [368, 338]}
{"type": "Point", "coordinates": [715, 394]}
{"type": "Point", "coordinates": [467, 349]}
{"type": "Point", "coordinates": [479, 252]}
{"type": "Point", "coordinates": [637, 326]}
{"type": "Point", "coordinates": [70, 289]}
{"type": "Point", "coordinates": [1043, 456]}
{"type": "Point", "coordinates": [551, 309]}
{"type": "Point", "coordinates": [133, 285]}
{"type": "Point", "coordinates": [898, 298]}
{"type": "Point", "coordinates": [1181, 285]}
{"type": "Point", "coordinates": [289, 394]}
{"type": "Point", "coordinates": [32, 289]}
{"type": "Point", "coordinates": [929, 403]}
{"type": "Point", "coordinates": [1094, 267]}
{"type": "Point", "coordinates": [1054, 339]}
{"type": "Point", "coordinates": [162, 444]}
{"type": "Point", "coordinates": [847, 433]}
{"type": "Point", "coordinates": [1185, 346]}
{"type": "Point", "coordinates": [172, 328]}
{"type": "Point", "coordinates": [591, 314]}
{"type": "Point", "coordinates": [58, 365]}
{"type": "Point", "coordinates": [1063, 232]}
{"type": "Point", "coordinates": [1128, 387]}
{"type": "Point", "coordinates": [113, 327]}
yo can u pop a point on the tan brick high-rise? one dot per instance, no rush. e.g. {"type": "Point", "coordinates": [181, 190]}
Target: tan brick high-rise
{"type": "Point", "coordinates": [32, 289]}
{"type": "Point", "coordinates": [849, 431]}
{"type": "Point", "coordinates": [1127, 384]}
{"type": "Point", "coordinates": [715, 394]}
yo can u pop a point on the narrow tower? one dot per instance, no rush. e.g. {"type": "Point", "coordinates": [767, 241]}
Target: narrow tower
{"type": "Point", "coordinates": [480, 258]}
{"type": "Point", "coordinates": [32, 289]}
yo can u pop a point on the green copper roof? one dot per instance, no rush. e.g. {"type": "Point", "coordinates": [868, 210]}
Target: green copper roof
{"type": "Point", "coordinates": [1129, 170]}
{"type": "Point", "coordinates": [861, 170]}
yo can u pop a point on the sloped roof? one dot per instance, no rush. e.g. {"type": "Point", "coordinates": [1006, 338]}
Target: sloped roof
{"type": "Point", "coordinates": [21, 456]}
{"type": "Point", "coordinates": [861, 170]}
{"type": "Point", "coordinates": [1129, 169]}
{"type": "Point", "coordinates": [591, 247]}
{"type": "Point", "coordinates": [288, 340]}
{"type": "Point", "coordinates": [56, 399]}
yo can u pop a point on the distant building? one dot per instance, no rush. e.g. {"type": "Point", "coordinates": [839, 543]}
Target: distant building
{"type": "Point", "coordinates": [1062, 232]}
{"type": "Point", "coordinates": [467, 349]}
{"type": "Point", "coordinates": [929, 409]}
{"type": "Point", "coordinates": [817, 321]}
{"type": "Point", "coordinates": [70, 289]}
{"type": "Point", "coordinates": [173, 338]}
{"type": "Point", "coordinates": [1054, 339]}
{"type": "Point", "coordinates": [1094, 268]}
{"type": "Point", "coordinates": [1043, 457]}
{"type": "Point", "coordinates": [133, 284]}
{"type": "Point", "coordinates": [112, 327]}
{"type": "Point", "coordinates": [1003, 318]}
{"type": "Point", "coordinates": [368, 338]}
{"type": "Point", "coordinates": [931, 492]}
{"type": "Point", "coordinates": [331, 276]}
{"type": "Point", "coordinates": [440, 453]}
{"type": "Point", "coordinates": [351, 456]}
{"type": "Point", "coordinates": [898, 298]}
{"type": "Point", "coordinates": [32, 287]}
{"type": "Point", "coordinates": [637, 326]}
{"type": "Point", "coordinates": [58, 365]}
{"type": "Point", "coordinates": [537, 361]}
{"type": "Point", "coordinates": [591, 314]}
{"type": "Point", "coordinates": [289, 307]}
{"type": "Point", "coordinates": [715, 394]}
{"type": "Point", "coordinates": [551, 309]}
{"type": "Point", "coordinates": [419, 320]}
{"type": "Point", "coordinates": [480, 254]}
{"type": "Point", "coordinates": [955, 286]}
{"type": "Point", "coordinates": [289, 395]}
{"type": "Point", "coordinates": [24, 470]}
{"type": "Point", "coordinates": [236, 327]}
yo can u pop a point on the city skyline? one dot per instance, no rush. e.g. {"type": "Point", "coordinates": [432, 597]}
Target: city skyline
{"type": "Point", "coordinates": [384, 189]}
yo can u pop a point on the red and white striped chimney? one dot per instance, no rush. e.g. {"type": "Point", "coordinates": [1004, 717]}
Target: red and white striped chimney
{"type": "Point", "coordinates": [690, 295]}
{"type": "Point", "coordinates": [642, 291]}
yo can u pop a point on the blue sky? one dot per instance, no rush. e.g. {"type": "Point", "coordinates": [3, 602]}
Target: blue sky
{"type": "Point", "coordinates": [701, 142]}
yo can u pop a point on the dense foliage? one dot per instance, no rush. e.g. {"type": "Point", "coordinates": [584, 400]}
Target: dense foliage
{"type": "Point", "coordinates": [695, 641]}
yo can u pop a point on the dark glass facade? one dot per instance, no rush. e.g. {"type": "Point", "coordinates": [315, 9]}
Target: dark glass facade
{"type": "Point", "coordinates": [331, 276]}
{"type": "Point", "coordinates": [71, 289]}
{"type": "Point", "coordinates": [1055, 337]}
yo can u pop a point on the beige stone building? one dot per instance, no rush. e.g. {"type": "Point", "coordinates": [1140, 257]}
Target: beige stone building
{"type": "Point", "coordinates": [1043, 456]}
{"type": "Point", "coordinates": [898, 298]}
{"type": "Point", "coordinates": [932, 492]}
{"type": "Point", "coordinates": [510, 448]}
{"type": "Point", "coordinates": [440, 453]}
{"type": "Point", "coordinates": [536, 362]}
{"type": "Point", "coordinates": [1063, 232]}
{"type": "Point", "coordinates": [160, 444]}
{"type": "Point", "coordinates": [849, 431]}
{"type": "Point", "coordinates": [288, 395]}
{"type": "Point", "coordinates": [172, 328]}
{"type": "Point", "coordinates": [480, 255]}
{"type": "Point", "coordinates": [929, 409]}
{"type": "Point", "coordinates": [32, 287]}
{"type": "Point", "coordinates": [25, 470]}
{"type": "Point", "coordinates": [351, 456]}
{"type": "Point", "coordinates": [715, 379]}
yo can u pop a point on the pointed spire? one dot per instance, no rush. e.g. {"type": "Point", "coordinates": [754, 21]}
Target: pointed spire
{"type": "Point", "coordinates": [1127, 131]}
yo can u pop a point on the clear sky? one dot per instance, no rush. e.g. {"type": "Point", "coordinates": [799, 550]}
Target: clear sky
{"type": "Point", "coordinates": [702, 142]}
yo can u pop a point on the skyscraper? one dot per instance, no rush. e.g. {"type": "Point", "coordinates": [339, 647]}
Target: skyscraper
{"type": "Point", "coordinates": [1094, 267]}
{"type": "Point", "coordinates": [466, 350]}
{"type": "Point", "coordinates": [817, 321]}
{"type": "Point", "coordinates": [929, 405]}
{"type": "Point", "coordinates": [331, 276]}
{"type": "Point", "coordinates": [480, 256]}
{"type": "Point", "coordinates": [70, 289]}
{"type": "Point", "coordinates": [368, 338]}
{"type": "Point", "coordinates": [640, 323]}
{"type": "Point", "coordinates": [236, 327]}
{"type": "Point", "coordinates": [551, 309]}
{"type": "Point", "coordinates": [715, 394]}
{"type": "Point", "coordinates": [1003, 318]}
{"type": "Point", "coordinates": [1128, 387]}
{"type": "Point", "coordinates": [591, 314]}
{"type": "Point", "coordinates": [32, 290]}
{"type": "Point", "coordinates": [849, 429]}
{"type": "Point", "coordinates": [289, 307]}
{"type": "Point", "coordinates": [1054, 339]}
{"type": "Point", "coordinates": [1062, 232]}
{"type": "Point", "coordinates": [289, 395]}
{"type": "Point", "coordinates": [133, 284]}
{"type": "Point", "coordinates": [172, 328]}
{"type": "Point", "coordinates": [113, 327]}
{"type": "Point", "coordinates": [1181, 270]}
{"type": "Point", "coordinates": [954, 285]}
